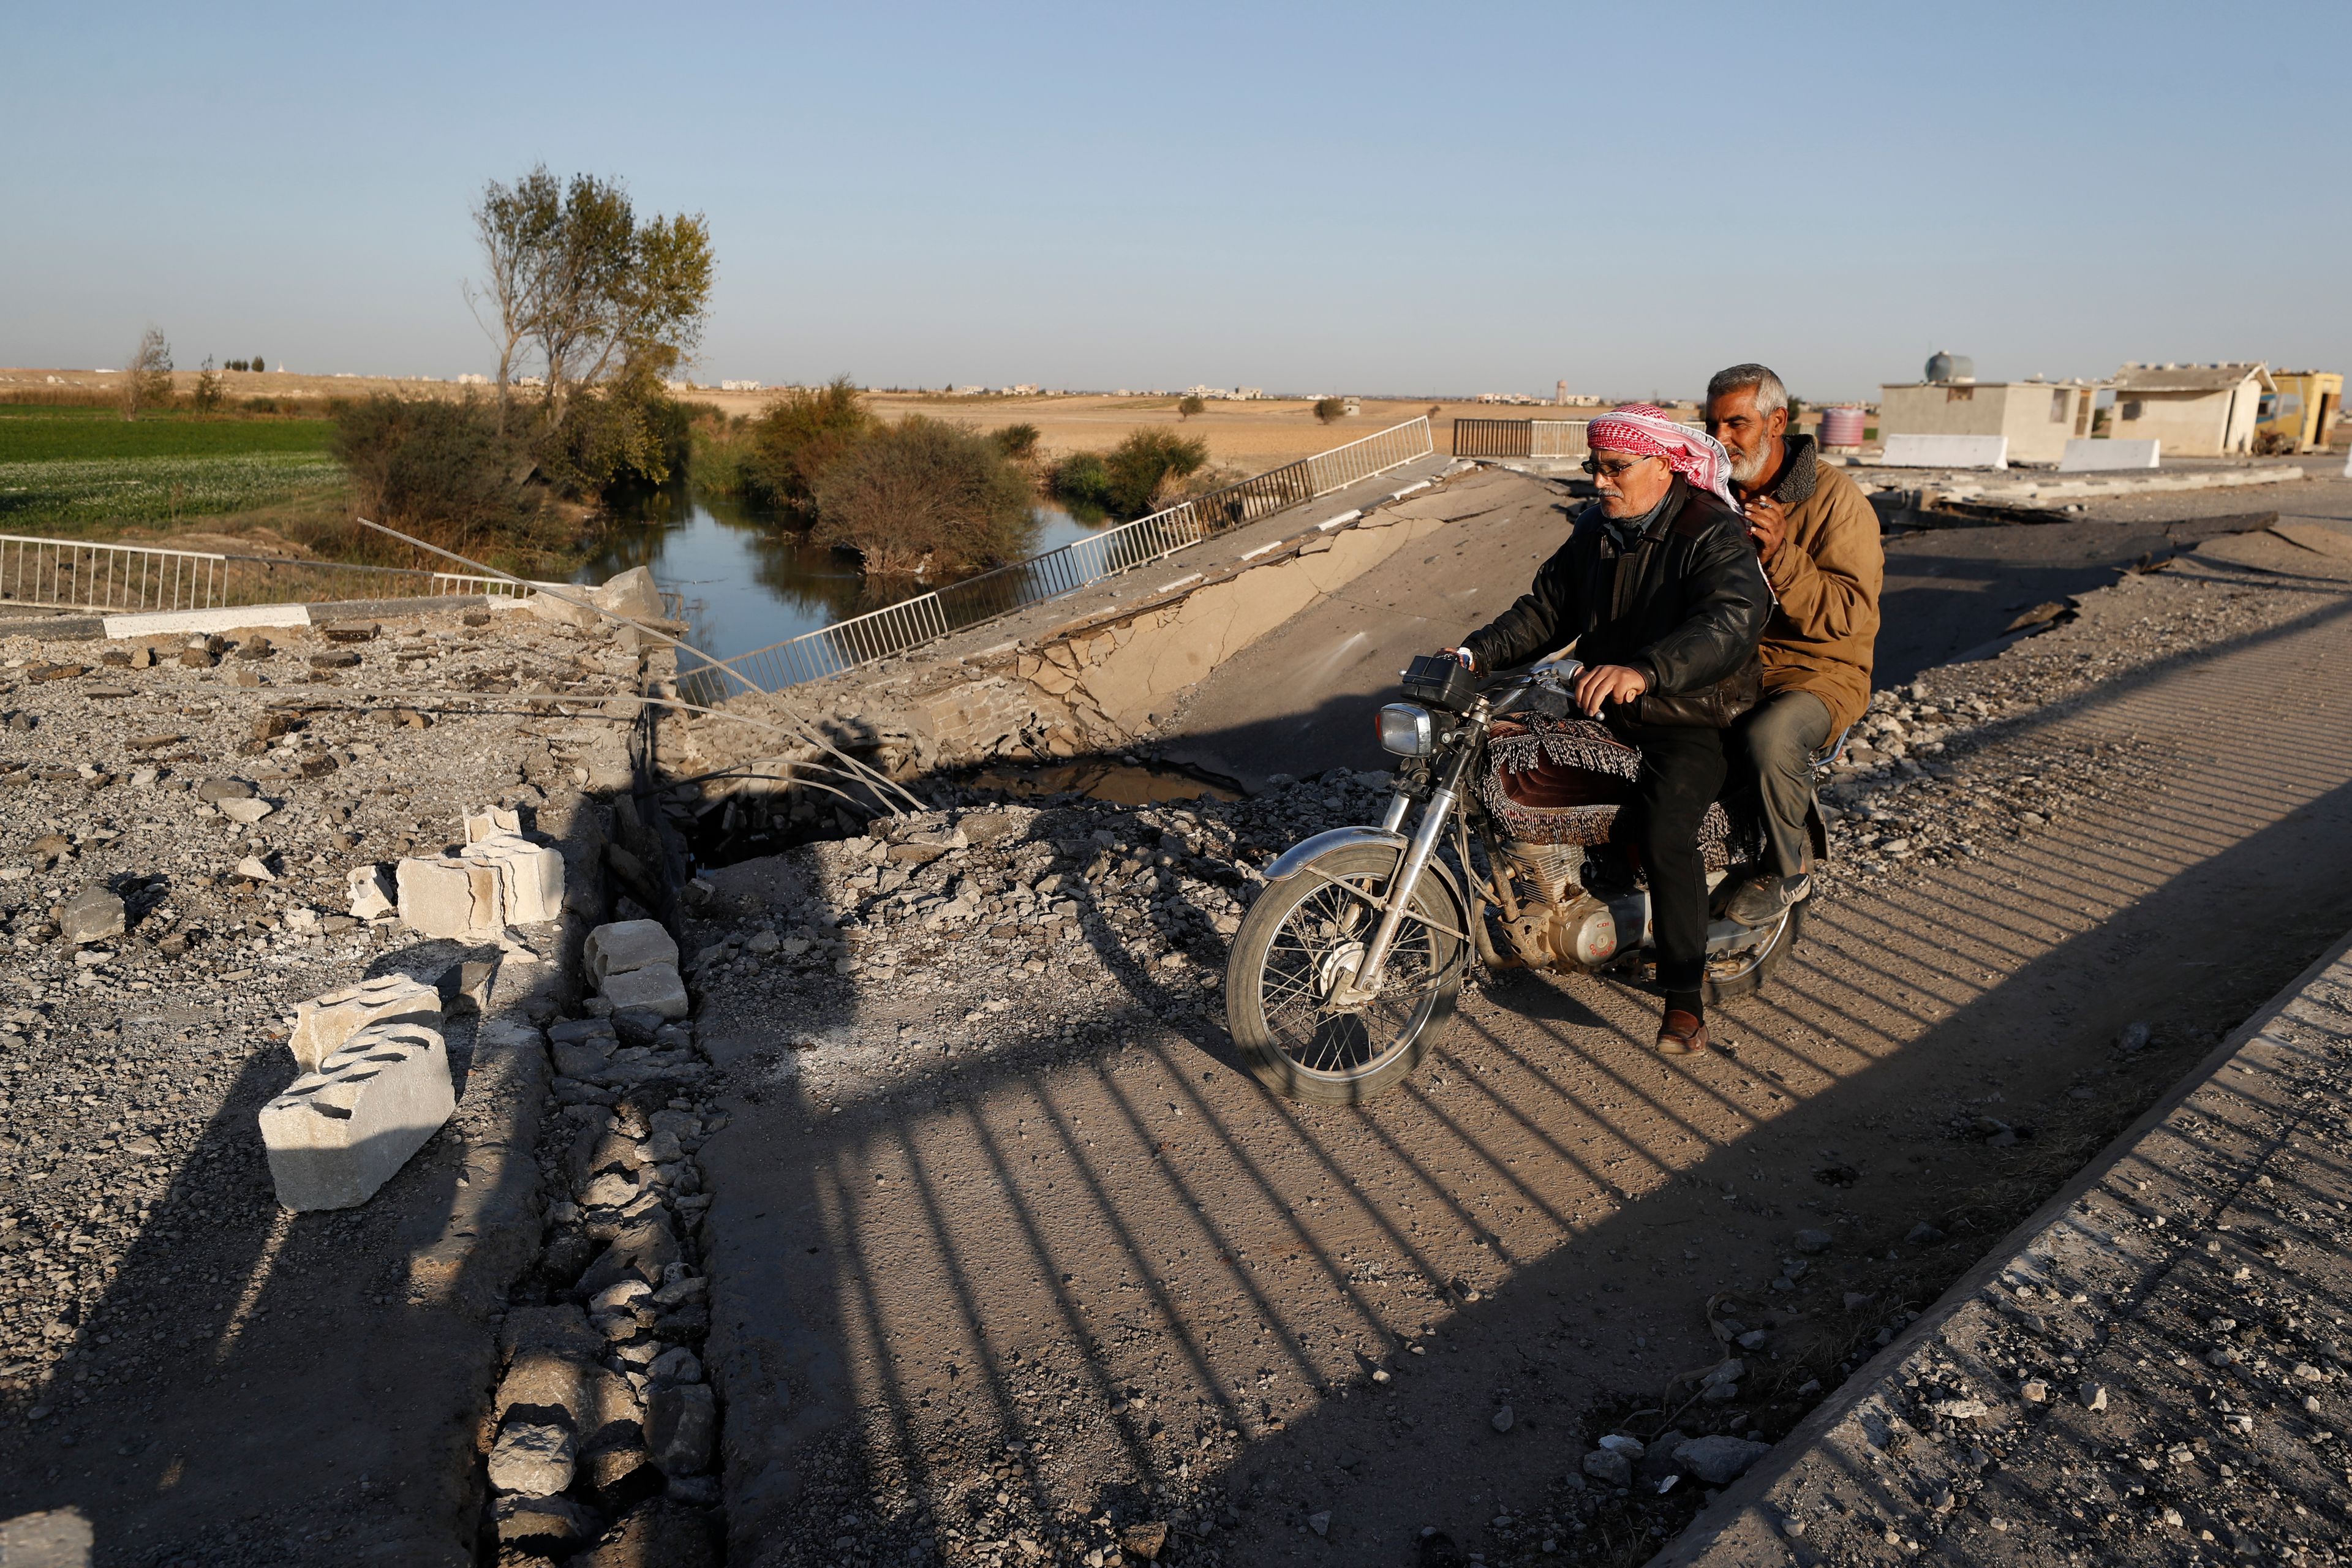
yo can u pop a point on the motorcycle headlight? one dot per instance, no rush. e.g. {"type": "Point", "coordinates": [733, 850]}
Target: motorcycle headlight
{"type": "Point", "coordinates": [1406, 731]}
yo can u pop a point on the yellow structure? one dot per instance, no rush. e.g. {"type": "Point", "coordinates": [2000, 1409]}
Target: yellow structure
{"type": "Point", "coordinates": [2301, 415]}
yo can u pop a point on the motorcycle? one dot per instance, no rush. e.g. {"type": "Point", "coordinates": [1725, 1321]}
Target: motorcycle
{"type": "Point", "coordinates": [1348, 966]}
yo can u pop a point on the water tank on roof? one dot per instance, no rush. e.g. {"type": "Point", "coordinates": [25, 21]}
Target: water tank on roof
{"type": "Point", "coordinates": [1942, 366]}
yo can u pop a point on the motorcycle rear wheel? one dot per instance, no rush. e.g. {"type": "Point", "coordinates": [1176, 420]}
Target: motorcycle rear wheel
{"type": "Point", "coordinates": [1300, 938]}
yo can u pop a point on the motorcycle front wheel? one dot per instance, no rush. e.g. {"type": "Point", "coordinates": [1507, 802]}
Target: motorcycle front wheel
{"type": "Point", "coordinates": [1301, 941]}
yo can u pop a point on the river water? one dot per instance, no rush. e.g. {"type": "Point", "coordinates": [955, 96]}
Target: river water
{"type": "Point", "coordinates": [748, 579]}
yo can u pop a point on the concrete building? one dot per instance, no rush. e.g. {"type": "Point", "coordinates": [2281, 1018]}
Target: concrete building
{"type": "Point", "coordinates": [2038, 416]}
{"type": "Point", "coordinates": [2300, 417]}
{"type": "Point", "coordinates": [2196, 410]}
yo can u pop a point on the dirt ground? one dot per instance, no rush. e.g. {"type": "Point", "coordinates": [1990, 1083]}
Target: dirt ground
{"type": "Point", "coordinates": [1012, 1264]}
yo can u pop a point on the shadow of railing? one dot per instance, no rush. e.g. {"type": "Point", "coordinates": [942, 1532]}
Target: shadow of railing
{"type": "Point", "coordinates": [1006, 1251]}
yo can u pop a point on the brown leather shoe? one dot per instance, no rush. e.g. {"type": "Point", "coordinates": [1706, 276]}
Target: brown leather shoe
{"type": "Point", "coordinates": [1681, 1034]}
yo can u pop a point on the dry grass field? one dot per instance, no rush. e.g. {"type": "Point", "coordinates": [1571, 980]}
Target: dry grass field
{"type": "Point", "coordinates": [1246, 436]}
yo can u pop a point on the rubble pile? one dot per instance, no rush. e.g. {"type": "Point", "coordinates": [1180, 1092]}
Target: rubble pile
{"type": "Point", "coordinates": [198, 917]}
{"type": "Point", "coordinates": [604, 1411]}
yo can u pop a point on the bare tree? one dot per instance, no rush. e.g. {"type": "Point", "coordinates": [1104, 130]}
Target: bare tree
{"type": "Point", "coordinates": [575, 281]}
{"type": "Point", "coordinates": [521, 228]}
{"type": "Point", "coordinates": [147, 379]}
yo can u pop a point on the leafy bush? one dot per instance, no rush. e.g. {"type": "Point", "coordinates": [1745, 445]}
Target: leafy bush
{"type": "Point", "coordinates": [718, 451]}
{"type": "Point", "coordinates": [624, 433]}
{"type": "Point", "coordinates": [1082, 482]}
{"type": "Point", "coordinates": [207, 398]}
{"type": "Point", "coordinates": [1134, 478]}
{"type": "Point", "coordinates": [1147, 464]}
{"type": "Point", "coordinates": [922, 495]}
{"type": "Point", "coordinates": [1188, 406]}
{"type": "Point", "coordinates": [1018, 442]}
{"type": "Point", "coordinates": [796, 437]}
{"type": "Point", "coordinates": [1327, 409]}
{"type": "Point", "coordinates": [442, 471]}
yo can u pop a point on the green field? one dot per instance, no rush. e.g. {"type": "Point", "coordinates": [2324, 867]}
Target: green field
{"type": "Point", "coordinates": [88, 471]}
{"type": "Point", "coordinates": [48, 435]}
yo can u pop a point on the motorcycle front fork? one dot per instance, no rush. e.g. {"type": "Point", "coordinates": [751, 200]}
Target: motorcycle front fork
{"type": "Point", "coordinates": [1435, 816]}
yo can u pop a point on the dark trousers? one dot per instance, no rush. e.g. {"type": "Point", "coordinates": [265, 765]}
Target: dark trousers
{"type": "Point", "coordinates": [1682, 773]}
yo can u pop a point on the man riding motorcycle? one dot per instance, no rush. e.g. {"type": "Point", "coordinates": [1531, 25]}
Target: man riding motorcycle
{"type": "Point", "coordinates": [1659, 589]}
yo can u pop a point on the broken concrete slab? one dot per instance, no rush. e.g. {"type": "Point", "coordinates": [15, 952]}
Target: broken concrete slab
{"type": "Point", "coordinates": [339, 1134]}
{"type": "Point", "coordinates": [372, 893]}
{"type": "Point", "coordinates": [1946, 452]}
{"type": "Point", "coordinates": [2087, 457]}
{"type": "Point", "coordinates": [626, 945]}
{"type": "Point", "coordinates": [323, 1025]}
{"type": "Point", "coordinates": [531, 889]}
{"type": "Point", "coordinates": [450, 898]}
{"type": "Point", "coordinates": [656, 989]}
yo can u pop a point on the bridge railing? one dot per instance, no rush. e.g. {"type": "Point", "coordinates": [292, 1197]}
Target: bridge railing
{"type": "Point", "coordinates": [132, 579]}
{"type": "Point", "coordinates": [894, 630]}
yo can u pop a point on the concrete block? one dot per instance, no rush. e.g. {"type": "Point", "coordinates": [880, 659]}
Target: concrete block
{"type": "Point", "coordinates": [557, 1522]}
{"type": "Point", "coordinates": [492, 821]}
{"type": "Point", "coordinates": [1947, 452]}
{"type": "Point", "coordinates": [531, 886]}
{"type": "Point", "coordinates": [339, 1132]}
{"type": "Point", "coordinates": [562, 612]}
{"type": "Point", "coordinates": [449, 898]}
{"type": "Point", "coordinates": [373, 894]}
{"type": "Point", "coordinates": [534, 1457]}
{"type": "Point", "coordinates": [323, 1025]}
{"type": "Point", "coordinates": [91, 915]}
{"type": "Point", "coordinates": [633, 594]}
{"type": "Point", "coordinates": [625, 946]}
{"type": "Point", "coordinates": [2099, 457]}
{"type": "Point", "coordinates": [681, 1424]}
{"type": "Point", "coordinates": [54, 1538]}
{"type": "Point", "coordinates": [655, 988]}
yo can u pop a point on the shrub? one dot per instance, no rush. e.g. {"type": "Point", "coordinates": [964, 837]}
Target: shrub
{"type": "Point", "coordinates": [923, 495]}
{"type": "Point", "coordinates": [1147, 463]}
{"type": "Point", "coordinates": [718, 451]}
{"type": "Point", "coordinates": [1133, 479]}
{"type": "Point", "coordinates": [623, 434]}
{"type": "Point", "coordinates": [796, 437]}
{"type": "Point", "coordinates": [1188, 406]}
{"type": "Point", "coordinates": [206, 397]}
{"type": "Point", "coordinates": [1018, 442]}
{"type": "Point", "coordinates": [442, 471]}
{"type": "Point", "coordinates": [1082, 483]}
{"type": "Point", "coordinates": [147, 379]}
{"type": "Point", "coordinates": [1327, 409]}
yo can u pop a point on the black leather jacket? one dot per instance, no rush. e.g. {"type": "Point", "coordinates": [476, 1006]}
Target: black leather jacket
{"type": "Point", "coordinates": [1685, 605]}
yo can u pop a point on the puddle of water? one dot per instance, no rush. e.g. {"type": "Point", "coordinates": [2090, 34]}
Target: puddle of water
{"type": "Point", "coordinates": [1119, 783]}
{"type": "Point", "coordinates": [749, 580]}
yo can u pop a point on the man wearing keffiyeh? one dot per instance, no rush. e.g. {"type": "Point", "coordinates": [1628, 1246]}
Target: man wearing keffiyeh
{"type": "Point", "coordinates": [1660, 592]}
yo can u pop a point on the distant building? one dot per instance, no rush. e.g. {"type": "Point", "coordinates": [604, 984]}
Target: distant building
{"type": "Point", "coordinates": [740, 386]}
{"type": "Point", "coordinates": [473, 378]}
{"type": "Point", "coordinates": [2196, 410]}
{"type": "Point", "coordinates": [2300, 417]}
{"type": "Point", "coordinates": [2038, 416]}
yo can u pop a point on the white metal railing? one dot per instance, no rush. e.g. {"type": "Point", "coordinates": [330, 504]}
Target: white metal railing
{"type": "Point", "coordinates": [1557, 438]}
{"type": "Point", "coordinates": [878, 633]}
{"type": "Point", "coordinates": [131, 579]}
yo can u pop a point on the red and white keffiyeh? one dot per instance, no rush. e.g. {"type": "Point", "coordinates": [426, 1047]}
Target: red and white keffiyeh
{"type": "Point", "coordinates": [1644, 429]}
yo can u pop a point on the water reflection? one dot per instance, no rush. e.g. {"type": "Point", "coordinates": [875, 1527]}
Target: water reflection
{"type": "Point", "coordinates": [749, 580]}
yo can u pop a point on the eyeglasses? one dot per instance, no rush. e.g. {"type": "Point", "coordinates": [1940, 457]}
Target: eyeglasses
{"type": "Point", "coordinates": [1614, 470]}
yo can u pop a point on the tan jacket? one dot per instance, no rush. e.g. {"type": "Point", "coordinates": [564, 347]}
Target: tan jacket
{"type": "Point", "coordinates": [1827, 574]}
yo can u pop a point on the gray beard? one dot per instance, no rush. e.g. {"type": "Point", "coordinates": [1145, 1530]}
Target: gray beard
{"type": "Point", "coordinates": [1748, 470]}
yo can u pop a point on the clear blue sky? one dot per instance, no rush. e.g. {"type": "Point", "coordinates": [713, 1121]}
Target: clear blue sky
{"type": "Point", "coordinates": [1368, 198]}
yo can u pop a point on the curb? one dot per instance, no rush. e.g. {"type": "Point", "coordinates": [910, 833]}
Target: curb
{"type": "Point", "coordinates": [1848, 1447]}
